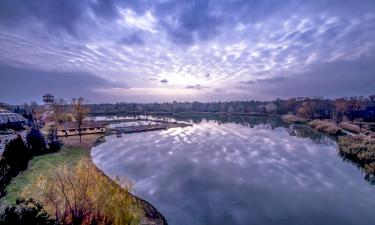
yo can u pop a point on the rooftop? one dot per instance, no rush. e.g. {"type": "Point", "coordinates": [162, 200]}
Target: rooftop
{"type": "Point", "coordinates": [6, 116]}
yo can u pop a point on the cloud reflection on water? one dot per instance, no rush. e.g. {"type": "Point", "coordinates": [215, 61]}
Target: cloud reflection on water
{"type": "Point", "coordinates": [233, 174]}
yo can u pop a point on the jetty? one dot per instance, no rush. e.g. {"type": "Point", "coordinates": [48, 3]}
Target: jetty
{"type": "Point", "coordinates": [160, 125]}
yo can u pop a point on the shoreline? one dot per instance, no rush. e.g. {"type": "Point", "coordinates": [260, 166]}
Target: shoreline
{"type": "Point", "coordinates": [152, 215]}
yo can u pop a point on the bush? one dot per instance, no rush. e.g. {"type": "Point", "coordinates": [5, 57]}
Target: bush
{"type": "Point", "coordinates": [25, 212]}
{"type": "Point", "coordinates": [36, 142]}
{"type": "Point", "coordinates": [326, 127]}
{"type": "Point", "coordinates": [83, 195]}
{"type": "Point", "coordinates": [5, 176]}
{"type": "Point", "coordinates": [54, 146]}
{"type": "Point", "coordinates": [293, 119]}
{"type": "Point", "coordinates": [358, 148]}
{"type": "Point", "coordinates": [17, 155]}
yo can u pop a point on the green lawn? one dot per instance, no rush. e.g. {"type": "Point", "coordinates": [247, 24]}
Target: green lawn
{"type": "Point", "coordinates": [36, 166]}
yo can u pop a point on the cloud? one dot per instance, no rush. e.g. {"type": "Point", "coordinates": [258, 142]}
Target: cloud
{"type": "Point", "coordinates": [331, 79]}
{"type": "Point", "coordinates": [258, 46]}
{"type": "Point", "coordinates": [197, 87]}
{"type": "Point", "coordinates": [265, 80]}
{"type": "Point", "coordinates": [65, 16]}
{"type": "Point", "coordinates": [132, 39]}
{"type": "Point", "coordinates": [164, 81]}
{"type": "Point", "coordinates": [19, 85]}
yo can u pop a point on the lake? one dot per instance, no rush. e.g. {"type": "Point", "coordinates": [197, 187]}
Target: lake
{"type": "Point", "coordinates": [241, 170]}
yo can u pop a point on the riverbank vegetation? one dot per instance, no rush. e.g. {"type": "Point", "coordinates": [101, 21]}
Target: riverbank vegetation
{"type": "Point", "coordinates": [325, 127]}
{"type": "Point", "coordinates": [37, 166]}
{"type": "Point", "coordinates": [17, 154]}
{"type": "Point", "coordinates": [293, 119]}
{"type": "Point", "coordinates": [82, 195]}
{"type": "Point", "coordinates": [358, 147]}
{"type": "Point", "coordinates": [72, 191]}
{"type": "Point", "coordinates": [359, 150]}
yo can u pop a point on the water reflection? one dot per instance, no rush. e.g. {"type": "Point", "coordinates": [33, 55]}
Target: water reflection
{"type": "Point", "coordinates": [240, 171]}
{"type": "Point", "coordinates": [367, 168]}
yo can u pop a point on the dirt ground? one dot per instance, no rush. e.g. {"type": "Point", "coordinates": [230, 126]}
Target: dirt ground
{"type": "Point", "coordinates": [87, 141]}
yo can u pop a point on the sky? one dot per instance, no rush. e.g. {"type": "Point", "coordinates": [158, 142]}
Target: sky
{"type": "Point", "coordinates": [185, 50]}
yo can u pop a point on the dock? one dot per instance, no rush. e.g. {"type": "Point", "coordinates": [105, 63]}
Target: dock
{"type": "Point", "coordinates": [144, 128]}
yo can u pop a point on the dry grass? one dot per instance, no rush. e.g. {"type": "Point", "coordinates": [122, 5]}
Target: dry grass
{"type": "Point", "coordinates": [87, 141]}
{"type": "Point", "coordinates": [325, 126]}
{"type": "Point", "coordinates": [293, 119]}
{"type": "Point", "coordinates": [359, 147]}
{"type": "Point", "coordinates": [80, 194]}
{"type": "Point", "coordinates": [354, 128]}
{"type": "Point", "coordinates": [350, 127]}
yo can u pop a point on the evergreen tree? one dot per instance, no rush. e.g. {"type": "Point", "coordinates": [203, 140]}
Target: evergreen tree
{"type": "Point", "coordinates": [17, 155]}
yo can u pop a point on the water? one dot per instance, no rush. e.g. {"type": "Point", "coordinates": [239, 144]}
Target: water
{"type": "Point", "coordinates": [241, 171]}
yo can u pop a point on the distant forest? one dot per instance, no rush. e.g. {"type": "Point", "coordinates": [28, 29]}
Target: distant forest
{"type": "Point", "coordinates": [352, 108]}
{"type": "Point", "coordinates": [310, 108]}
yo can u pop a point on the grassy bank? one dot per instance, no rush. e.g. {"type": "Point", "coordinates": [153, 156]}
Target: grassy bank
{"type": "Point", "coordinates": [71, 153]}
{"type": "Point", "coordinates": [325, 127]}
{"type": "Point", "coordinates": [358, 147]}
{"type": "Point", "coordinates": [39, 164]}
{"type": "Point", "coordinates": [293, 119]}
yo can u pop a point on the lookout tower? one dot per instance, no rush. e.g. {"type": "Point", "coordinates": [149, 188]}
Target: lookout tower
{"type": "Point", "coordinates": [48, 99]}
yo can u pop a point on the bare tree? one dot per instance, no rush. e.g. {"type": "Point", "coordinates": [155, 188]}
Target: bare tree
{"type": "Point", "coordinates": [34, 109]}
{"type": "Point", "coordinates": [80, 111]}
{"type": "Point", "coordinates": [58, 110]}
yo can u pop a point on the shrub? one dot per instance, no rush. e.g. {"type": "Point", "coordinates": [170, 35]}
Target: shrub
{"type": "Point", "coordinates": [17, 155]}
{"type": "Point", "coordinates": [83, 195]}
{"type": "Point", "coordinates": [54, 146]}
{"type": "Point", "coordinates": [357, 147]}
{"type": "Point", "coordinates": [293, 119]}
{"type": "Point", "coordinates": [36, 142]}
{"type": "Point", "coordinates": [325, 127]}
{"type": "Point", "coordinates": [25, 212]}
{"type": "Point", "coordinates": [5, 176]}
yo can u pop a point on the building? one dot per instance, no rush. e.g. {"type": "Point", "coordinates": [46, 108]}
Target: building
{"type": "Point", "coordinates": [48, 99]}
{"type": "Point", "coordinates": [9, 117]}
{"type": "Point", "coordinates": [88, 127]}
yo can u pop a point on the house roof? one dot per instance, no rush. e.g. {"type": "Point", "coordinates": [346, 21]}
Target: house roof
{"type": "Point", "coordinates": [6, 116]}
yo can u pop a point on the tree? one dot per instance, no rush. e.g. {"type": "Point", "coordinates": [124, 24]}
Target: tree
{"type": "Point", "coordinates": [83, 195]}
{"type": "Point", "coordinates": [372, 99]}
{"type": "Point", "coordinates": [80, 112]}
{"type": "Point", "coordinates": [17, 155]}
{"type": "Point", "coordinates": [54, 143]}
{"type": "Point", "coordinates": [35, 141]}
{"type": "Point", "coordinates": [59, 111]}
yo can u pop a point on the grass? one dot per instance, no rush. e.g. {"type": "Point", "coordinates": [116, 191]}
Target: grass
{"type": "Point", "coordinates": [358, 147]}
{"type": "Point", "coordinates": [293, 119]}
{"type": "Point", "coordinates": [37, 165]}
{"type": "Point", "coordinates": [325, 126]}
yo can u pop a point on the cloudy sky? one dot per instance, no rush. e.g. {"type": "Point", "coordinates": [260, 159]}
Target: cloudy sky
{"type": "Point", "coordinates": [165, 50]}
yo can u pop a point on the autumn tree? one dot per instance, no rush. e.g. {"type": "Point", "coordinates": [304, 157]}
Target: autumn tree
{"type": "Point", "coordinates": [80, 112]}
{"type": "Point", "coordinates": [83, 195]}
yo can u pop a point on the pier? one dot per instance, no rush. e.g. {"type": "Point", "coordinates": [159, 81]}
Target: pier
{"type": "Point", "coordinates": [144, 128]}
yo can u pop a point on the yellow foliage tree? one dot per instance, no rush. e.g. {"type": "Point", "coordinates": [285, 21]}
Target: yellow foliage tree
{"type": "Point", "coordinates": [83, 195]}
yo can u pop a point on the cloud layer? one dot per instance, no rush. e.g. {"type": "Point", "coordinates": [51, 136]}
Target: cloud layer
{"type": "Point", "coordinates": [194, 50]}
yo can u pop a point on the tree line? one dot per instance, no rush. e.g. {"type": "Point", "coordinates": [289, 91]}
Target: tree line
{"type": "Point", "coordinates": [307, 107]}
